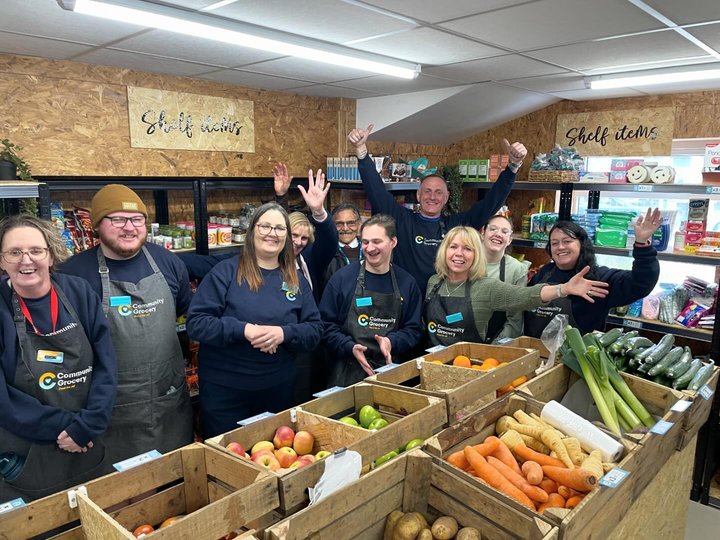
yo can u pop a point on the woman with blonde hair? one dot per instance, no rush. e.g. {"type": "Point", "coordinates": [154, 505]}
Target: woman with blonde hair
{"type": "Point", "coordinates": [460, 298]}
{"type": "Point", "coordinates": [252, 314]}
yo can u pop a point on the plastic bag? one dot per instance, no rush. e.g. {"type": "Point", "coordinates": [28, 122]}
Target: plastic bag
{"type": "Point", "coordinates": [552, 337]}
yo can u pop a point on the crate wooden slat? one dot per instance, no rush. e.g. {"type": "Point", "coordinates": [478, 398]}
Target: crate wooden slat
{"type": "Point", "coordinates": [462, 389]}
{"type": "Point", "coordinates": [527, 342]}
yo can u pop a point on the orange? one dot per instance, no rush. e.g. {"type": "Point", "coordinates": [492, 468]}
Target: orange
{"type": "Point", "coordinates": [462, 361]}
{"type": "Point", "coordinates": [437, 362]}
{"type": "Point", "coordinates": [491, 361]}
{"type": "Point", "coordinates": [519, 381]}
{"type": "Point", "coordinates": [476, 366]}
{"type": "Point", "coordinates": [501, 364]}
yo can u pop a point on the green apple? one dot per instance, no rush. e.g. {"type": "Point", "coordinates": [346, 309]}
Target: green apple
{"type": "Point", "coordinates": [387, 457]}
{"type": "Point", "coordinates": [350, 421]}
{"type": "Point", "coordinates": [322, 454]}
{"type": "Point", "coordinates": [378, 423]}
{"type": "Point", "coordinates": [412, 444]}
{"type": "Point", "coordinates": [367, 414]}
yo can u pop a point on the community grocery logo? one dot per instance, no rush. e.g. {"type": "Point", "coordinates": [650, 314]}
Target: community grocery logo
{"type": "Point", "coordinates": [432, 327]}
{"type": "Point", "coordinates": [125, 310]}
{"type": "Point", "coordinates": [64, 380]}
{"type": "Point", "coordinates": [363, 319]}
{"type": "Point", "coordinates": [47, 381]}
{"type": "Point", "coordinates": [290, 296]}
{"type": "Point", "coordinates": [419, 239]}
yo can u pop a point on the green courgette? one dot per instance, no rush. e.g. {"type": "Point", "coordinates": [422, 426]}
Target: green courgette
{"type": "Point", "coordinates": [610, 337]}
{"type": "Point", "coordinates": [701, 377]}
{"type": "Point", "coordinates": [617, 346]}
{"type": "Point", "coordinates": [664, 363]}
{"type": "Point", "coordinates": [659, 352]}
{"type": "Point", "coordinates": [638, 342]}
{"type": "Point", "coordinates": [636, 351]}
{"type": "Point", "coordinates": [681, 366]}
{"type": "Point", "coordinates": [681, 382]}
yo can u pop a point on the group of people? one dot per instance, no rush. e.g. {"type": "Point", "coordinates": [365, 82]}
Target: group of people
{"type": "Point", "coordinates": [92, 366]}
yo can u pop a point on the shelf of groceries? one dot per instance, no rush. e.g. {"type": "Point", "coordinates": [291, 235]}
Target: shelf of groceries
{"type": "Point", "coordinates": [638, 323]}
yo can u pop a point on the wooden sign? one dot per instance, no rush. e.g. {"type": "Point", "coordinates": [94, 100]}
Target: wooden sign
{"type": "Point", "coordinates": [175, 120]}
{"type": "Point", "coordinates": [635, 132]}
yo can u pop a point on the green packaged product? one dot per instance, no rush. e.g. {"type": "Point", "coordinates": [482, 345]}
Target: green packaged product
{"type": "Point", "coordinates": [610, 237]}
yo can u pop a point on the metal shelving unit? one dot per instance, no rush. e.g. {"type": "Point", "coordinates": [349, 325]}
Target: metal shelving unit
{"type": "Point", "coordinates": [11, 191]}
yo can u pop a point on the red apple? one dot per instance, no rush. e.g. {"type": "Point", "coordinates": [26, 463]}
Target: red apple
{"type": "Point", "coordinates": [260, 445]}
{"type": "Point", "coordinates": [260, 453]}
{"type": "Point", "coordinates": [268, 461]}
{"type": "Point", "coordinates": [284, 436]}
{"type": "Point", "coordinates": [322, 454]}
{"type": "Point", "coordinates": [236, 448]}
{"type": "Point", "coordinates": [286, 456]}
{"type": "Point", "coordinates": [308, 458]}
{"type": "Point", "coordinates": [303, 442]}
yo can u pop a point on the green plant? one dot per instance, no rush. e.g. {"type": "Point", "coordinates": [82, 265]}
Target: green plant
{"type": "Point", "coordinates": [8, 152]}
{"type": "Point", "coordinates": [451, 173]}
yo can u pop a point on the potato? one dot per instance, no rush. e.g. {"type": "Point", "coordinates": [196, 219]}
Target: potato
{"type": "Point", "coordinates": [421, 519]}
{"type": "Point", "coordinates": [468, 533]}
{"type": "Point", "coordinates": [444, 528]}
{"type": "Point", "coordinates": [390, 523]}
{"type": "Point", "coordinates": [407, 528]}
{"type": "Point", "coordinates": [425, 534]}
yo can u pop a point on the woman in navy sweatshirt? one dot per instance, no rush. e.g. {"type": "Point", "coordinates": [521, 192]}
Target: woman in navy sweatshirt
{"type": "Point", "coordinates": [58, 371]}
{"type": "Point", "coordinates": [252, 314]}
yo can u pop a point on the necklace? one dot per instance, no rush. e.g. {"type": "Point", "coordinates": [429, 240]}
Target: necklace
{"type": "Point", "coordinates": [449, 292]}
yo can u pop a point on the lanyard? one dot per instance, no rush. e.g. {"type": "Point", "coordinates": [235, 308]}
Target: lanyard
{"type": "Point", "coordinates": [53, 310]}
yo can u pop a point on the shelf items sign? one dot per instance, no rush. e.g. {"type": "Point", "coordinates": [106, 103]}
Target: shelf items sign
{"type": "Point", "coordinates": [632, 132]}
{"type": "Point", "coordinates": [181, 121]}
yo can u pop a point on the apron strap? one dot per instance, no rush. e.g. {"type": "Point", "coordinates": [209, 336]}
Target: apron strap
{"type": "Point", "coordinates": [104, 280]}
{"type": "Point", "coordinates": [502, 268]}
{"type": "Point", "coordinates": [54, 309]}
{"type": "Point", "coordinates": [434, 290]}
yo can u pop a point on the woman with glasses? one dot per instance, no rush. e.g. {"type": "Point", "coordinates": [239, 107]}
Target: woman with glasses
{"type": "Point", "coordinates": [572, 250]}
{"type": "Point", "coordinates": [252, 314]}
{"type": "Point", "coordinates": [496, 236]}
{"type": "Point", "coordinates": [58, 372]}
{"type": "Point", "coordinates": [460, 298]}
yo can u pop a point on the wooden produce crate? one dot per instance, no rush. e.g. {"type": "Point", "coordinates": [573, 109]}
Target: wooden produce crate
{"type": "Point", "coordinates": [216, 494]}
{"type": "Point", "coordinates": [329, 435]}
{"type": "Point", "coordinates": [595, 517]}
{"type": "Point", "coordinates": [415, 482]}
{"type": "Point", "coordinates": [527, 342]}
{"type": "Point", "coordinates": [411, 415]}
{"type": "Point", "coordinates": [464, 390]}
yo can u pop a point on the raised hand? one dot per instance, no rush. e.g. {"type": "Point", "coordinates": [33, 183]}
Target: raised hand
{"type": "Point", "coordinates": [646, 226]}
{"type": "Point", "coordinates": [281, 179]}
{"type": "Point", "coordinates": [359, 354]}
{"type": "Point", "coordinates": [516, 151]}
{"type": "Point", "coordinates": [358, 138]}
{"type": "Point", "coordinates": [316, 192]}
{"type": "Point", "coordinates": [586, 289]}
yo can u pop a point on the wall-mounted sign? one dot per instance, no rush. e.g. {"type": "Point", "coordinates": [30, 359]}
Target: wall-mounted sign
{"type": "Point", "coordinates": [175, 120]}
{"type": "Point", "coordinates": [635, 132]}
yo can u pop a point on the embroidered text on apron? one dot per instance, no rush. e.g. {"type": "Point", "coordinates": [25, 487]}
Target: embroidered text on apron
{"type": "Point", "coordinates": [371, 313]}
{"type": "Point", "coordinates": [498, 318]}
{"type": "Point", "coordinates": [58, 380]}
{"type": "Point", "coordinates": [450, 319]}
{"type": "Point", "coordinates": [152, 410]}
{"type": "Point", "coordinates": [537, 319]}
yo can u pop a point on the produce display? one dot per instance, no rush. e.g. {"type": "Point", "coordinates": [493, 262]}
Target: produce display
{"type": "Point", "coordinates": [368, 417]}
{"type": "Point", "coordinates": [145, 529]}
{"type": "Point", "coordinates": [413, 443]}
{"type": "Point", "coordinates": [414, 526]}
{"type": "Point", "coordinates": [488, 364]}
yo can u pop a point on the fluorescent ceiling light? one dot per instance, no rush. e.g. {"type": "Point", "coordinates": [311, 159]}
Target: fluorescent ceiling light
{"type": "Point", "coordinates": [629, 80]}
{"type": "Point", "coordinates": [226, 31]}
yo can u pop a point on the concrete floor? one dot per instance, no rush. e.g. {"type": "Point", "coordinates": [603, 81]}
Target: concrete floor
{"type": "Point", "coordinates": [703, 522]}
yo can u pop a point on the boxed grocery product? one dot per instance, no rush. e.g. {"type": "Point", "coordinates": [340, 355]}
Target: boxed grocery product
{"type": "Point", "coordinates": [618, 177]}
{"type": "Point", "coordinates": [712, 157]}
{"type": "Point", "coordinates": [698, 210]}
{"type": "Point", "coordinates": [463, 168]}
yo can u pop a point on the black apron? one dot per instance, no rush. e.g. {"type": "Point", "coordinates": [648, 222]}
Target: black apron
{"type": "Point", "coordinates": [152, 410]}
{"type": "Point", "coordinates": [371, 313]}
{"type": "Point", "coordinates": [537, 319]}
{"type": "Point", "coordinates": [498, 318]}
{"type": "Point", "coordinates": [63, 384]}
{"type": "Point", "coordinates": [450, 319]}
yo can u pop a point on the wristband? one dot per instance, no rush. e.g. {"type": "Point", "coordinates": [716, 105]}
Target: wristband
{"type": "Point", "coordinates": [647, 243]}
{"type": "Point", "coordinates": [559, 291]}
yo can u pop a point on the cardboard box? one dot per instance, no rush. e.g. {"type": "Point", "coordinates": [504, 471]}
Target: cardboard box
{"type": "Point", "coordinates": [712, 157]}
{"type": "Point", "coordinates": [698, 210]}
{"type": "Point", "coordinates": [463, 168]}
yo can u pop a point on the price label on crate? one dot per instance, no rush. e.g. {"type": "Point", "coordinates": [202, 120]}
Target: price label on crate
{"type": "Point", "coordinates": [540, 245]}
{"type": "Point", "coordinates": [614, 477]}
{"type": "Point", "coordinates": [643, 187]}
{"type": "Point", "coordinates": [706, 392]}
{"type": "Point", "coordinates": [137, 460]}
{"type": "Point", "coordinates": [386, 367]}
{"type": "Point", "coordinates": [661, 427]}
{"type": "Point", "coordinates": [712, 190]}
{"type": "Point", "coordinates": [255, 418]}
{"type": "Point", "coordinates": [681, 405]}
{"type": "Point", "coordinates": [328, 391]}
{"type": "Point", "coordinates": [632, 324]}
{"type": "Point", "coordinates": [436, 348]}
{"type": "Point", "coordinates": [11, 505]}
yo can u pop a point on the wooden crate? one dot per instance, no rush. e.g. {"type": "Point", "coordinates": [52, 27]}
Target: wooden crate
{"type": "Point", "coordinates": [464, 390]}
{"type": "Point", "coordinates": [216, 494]}
{"type": "Point", "coordinates": [600, 510]}
{"type": "Point", "coordinates": [527, 342]}
{"type": "Point", "coordinates": [329, 435]}
{"type": "Point", "coordinates": [415, 482]}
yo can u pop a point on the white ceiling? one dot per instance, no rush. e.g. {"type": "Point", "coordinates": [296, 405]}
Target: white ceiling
{"type": "Point", "coordinates": [498, 59]}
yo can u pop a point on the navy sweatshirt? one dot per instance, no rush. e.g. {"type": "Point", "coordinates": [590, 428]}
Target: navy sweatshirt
{"type": "Point", "coordinates": [217, 317]}
{"type": "Point", "coordinates": [625, 286]}
{"type": "Point", "coordinates": [25, 416]}
{"type": "Point", "coordinates": [419, 237]}
{"type": "Point", "coordinates": [339, 294]}
{"type": "Point", "coordinates": [85, 265]}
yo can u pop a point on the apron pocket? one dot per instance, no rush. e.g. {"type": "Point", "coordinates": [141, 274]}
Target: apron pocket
{"type": "Point", "coordinates": [172, 418]}
{"type": "Point", "coordinates": [129, 433]}
{"type": "Point", "coordinates": [134, 386]}
{"type": "Point", "coordinates": [167, 376]}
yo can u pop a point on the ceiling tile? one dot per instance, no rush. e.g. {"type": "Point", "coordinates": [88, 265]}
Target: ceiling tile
{"type": "Point", "coordinates": [141, 62]}
{"type": "Point", "coordinates": [380, 84]}
{"type": "Point", "coordinates": [331, 91]}
{"type": "Point", "coordinates": [34, 46]}
{"type": "Point", "coordinates": [253, 80]}
{"type": "Point", "coordinates": [551, 84]}
{"type": "Point", "coordinates": [686, 12]}
{"type": "Point", "coordinates": [311, 71]}
{"type": "Point", "coordinates": [428, 46]}
{"type": "Point", "coordinates": [708, 34]}
{"type": "Point", "coordinates": [590, 95]}
{"type": "Point", "coordinates": [434, 12]}
{"type": "Point", "coordinates": [555, 22]}
{"type": "Point", "coordinates": [496, 68]}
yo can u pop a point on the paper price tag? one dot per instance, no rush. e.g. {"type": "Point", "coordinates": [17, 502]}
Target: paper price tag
{"type": "Point", "coordinates": [255, 418]}
{"type": "Point", "coordinates": [681, 405]}
{"type": "Point", "coordinates": [540, 245]}
{"type": "Point", "coordinates": [329, 391]}
{"type": "Point", "coordinates": [661, 427]}
{"type": "Point", "coordinates": [504, 340]}
{"type": "Point", "coordinates": [436, 348]}
{"type": "Point", "coordinates": [643, 187]}
{"type": "Point", "coordinates": [706, 392]}
{"type": "Point", "coordinates": [11, 505]}
{"type": "Point", "coordinates": [614, 478]}
{"type": "Point", "coordinates": [632, 324]}
{"type": "Point", "coordinates": [386, 367]}
{"type": "Point", "coordinates": [712, 190]}
{"type": "Point", "coordinates": [137, 460]}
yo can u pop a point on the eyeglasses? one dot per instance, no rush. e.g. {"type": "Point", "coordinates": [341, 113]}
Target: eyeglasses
{"type": "Point", "coordinates": [16, 255]}
{"type": "Point", "coordinates": [120, 222]}
{"type": "Point", "coordinates": [492, 229]}
{"type": "Point", "coordinates": [265, 228]}
{"type": "Point", "coordinates": [565, 242]}
{"type": "Point", "coordinates": [346, 224]}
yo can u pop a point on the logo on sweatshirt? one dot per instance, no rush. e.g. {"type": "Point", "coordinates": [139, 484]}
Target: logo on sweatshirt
{"type": "Point", "coordinates": [419, 239]}
{"type": "Point", "coordinates": [432, 327]}
{"type": "Point", "coordinates": [363, 319]}
{"type": "Point", "coordinates": [290, 296]}
{"type": "Point", "coordinates": [422, 241]}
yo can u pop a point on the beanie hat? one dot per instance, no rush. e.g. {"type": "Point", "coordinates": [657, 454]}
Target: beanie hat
{"type": "Point", "coordinates": [115, 198]}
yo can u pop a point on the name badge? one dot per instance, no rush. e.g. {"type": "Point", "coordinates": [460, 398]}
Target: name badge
{"type": "Point", "coordinates": [454, 317]}
{"type": "Point", "coordinates": [285, 286]}
{"type": "Point", "coordinates": [117, 301]}
{"type": "Point", "coordinates": [54, 357]}
{"type": "Point", "coordinates": [363, 302]}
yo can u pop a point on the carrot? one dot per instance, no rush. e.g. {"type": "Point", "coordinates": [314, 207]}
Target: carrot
{"type": "Point", "coordinates": [533, 472]}
{"type": "Point", "coordinates": [566, 492]}
{"type": "Point", "coordinates": [488, 447]}
{"type": "Point", "coordinates": [518, 480]}
{"type": "Point", "coordinates": [578, 479]}
{"type": "Point", "coordinates": [489, 474]}
{"type": "Point", "coordinates": [528, 454]}
{"type": "Point", "coordinates": [458, 459]}
{"type": "Point", "coordinates": [549, 485]}
{"type": "Point", "coordinates": [554, 501]}
{"type": "Point", "coordinates": [573, 501]}
{"type": "Point", "coordinates": [504, 454]}
{"type": "Point", "coordinates": [520, 380]}
{"type": "Point", "coordinates": [552, 438]}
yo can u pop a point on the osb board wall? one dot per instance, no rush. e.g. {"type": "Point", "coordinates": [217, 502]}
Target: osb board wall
{"type": "Point", "coordinates": [71, 119]}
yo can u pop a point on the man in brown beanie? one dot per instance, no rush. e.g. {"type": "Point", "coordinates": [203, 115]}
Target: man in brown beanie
{"type": "Point", "coordinates": [143, 288]}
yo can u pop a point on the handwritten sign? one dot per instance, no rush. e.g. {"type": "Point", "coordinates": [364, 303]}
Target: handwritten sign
{"type": "Point", "coordinates": [180, 121]}
{"type": "Point", "coordinates": [634, 132]}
